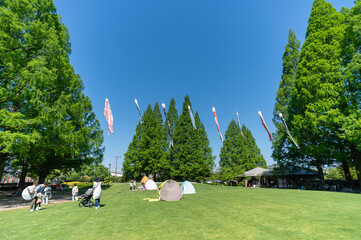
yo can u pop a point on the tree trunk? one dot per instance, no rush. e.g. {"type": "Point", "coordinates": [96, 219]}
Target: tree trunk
{"type": "Point", "coordinates": [42, 175]}
{"type": "Point", "coordinates": [356, 156]}
{"type": "Point", "coordinates": [24, 172]}
{"type": "Point", "coordinates": [320, 175]}
{"type": "Point", "coordinates": [358, 171]}
{"type": "Point", "coordinates": [3, 158]}
{"type": "Point", "coordinates": [348, 177]}
{"type": "Point", "coordinates": [345, 165]}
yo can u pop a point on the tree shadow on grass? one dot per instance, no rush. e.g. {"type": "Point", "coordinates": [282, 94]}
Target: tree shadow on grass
{"type": "Point", "coordinates": [105, 186]}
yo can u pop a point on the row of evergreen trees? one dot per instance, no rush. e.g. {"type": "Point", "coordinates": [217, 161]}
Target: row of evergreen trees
{"type": "Point", "coordinates": [190, 157]}
{"type": "Point", "coordinates": [320, 93]}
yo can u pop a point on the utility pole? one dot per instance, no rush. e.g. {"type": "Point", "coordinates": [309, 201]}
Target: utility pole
{"type": "Point", "coordinates": [116, 166]}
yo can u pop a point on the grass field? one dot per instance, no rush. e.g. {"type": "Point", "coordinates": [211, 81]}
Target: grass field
{"type": "Point", "coordinates": [215, 212]}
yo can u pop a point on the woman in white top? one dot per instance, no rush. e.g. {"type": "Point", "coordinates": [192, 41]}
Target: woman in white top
{"type": "Point", "coordinates": [97, 188]}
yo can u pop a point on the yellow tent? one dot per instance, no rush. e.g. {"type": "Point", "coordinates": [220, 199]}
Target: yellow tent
{"type": "Point", "coordinates": [144, 180]}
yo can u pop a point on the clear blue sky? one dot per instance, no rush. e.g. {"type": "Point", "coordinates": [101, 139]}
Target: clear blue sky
{"type": "Point", "coordinates": [226, 54]}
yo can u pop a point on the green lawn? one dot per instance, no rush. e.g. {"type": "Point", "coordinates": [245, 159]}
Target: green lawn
{"type": "Point", "coordinates": [215, 212]}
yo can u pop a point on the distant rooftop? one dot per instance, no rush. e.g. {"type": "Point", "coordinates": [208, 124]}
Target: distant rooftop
{"type": "Point", "coordinates": [274, 170]}
{"type": "Point", "coordinates": [118, 174]}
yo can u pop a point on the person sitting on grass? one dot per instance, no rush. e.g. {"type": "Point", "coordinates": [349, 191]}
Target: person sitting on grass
{"type": "Point", "coordinates": [39, 189]}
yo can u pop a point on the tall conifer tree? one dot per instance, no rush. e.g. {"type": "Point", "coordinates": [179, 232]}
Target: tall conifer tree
{"type": "Point", "coordinates": [351, 111]}
{"type": "Point", "coordinates": [290, 59]}
{"type": "Point", "coordinates": [239, 153]}
{"type": "Point", "coordinates": [206, 160]}
{"type": "Point", "coordinates": [132, 166]}
{"type": "Point", "coordinates": [187, 152]}
{"type": "Point", "coordinates": [151, 152]}
{"type": "Point", "coordinates": [252, 154]}
{"type": "Point", "coordinates": [230, 158]}
{"type": "Point", "coordinates": [161, 163]}
{"type": "Point", "coordinates": [315, 99]}
{"type": "Point", "coordinates": [173, 120]}
{"type": "Point", "coordinates": [145, 145]}
{"type": "Point", "coordinates": [172, 116]}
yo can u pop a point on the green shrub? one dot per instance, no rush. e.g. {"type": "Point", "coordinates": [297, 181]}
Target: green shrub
{"type": "Point", "coordinates": [84, 178]}
{"type": "Point", "coordinates": [79, 184]}
{"type": "Point", "coordinates": [242, 183]}
{"type": "Point", "coordinates": [85, 185]}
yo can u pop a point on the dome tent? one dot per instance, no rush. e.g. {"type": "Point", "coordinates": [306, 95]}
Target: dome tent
{"type": "Point", "coordinates": [188, 188]}
{"type": "Point", "coordinates": [170, 191]}
{"type": "Point", "coordinates": [150, 185]}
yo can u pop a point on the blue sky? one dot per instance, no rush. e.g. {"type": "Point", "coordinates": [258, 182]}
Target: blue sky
{"type": "Point", "coordinates": [226, 54]}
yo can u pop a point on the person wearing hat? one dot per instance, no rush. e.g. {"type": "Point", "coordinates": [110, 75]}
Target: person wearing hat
{"type": "Point", "coordinates": [97, 188]}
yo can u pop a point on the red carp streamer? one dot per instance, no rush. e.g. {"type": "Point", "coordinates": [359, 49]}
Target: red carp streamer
{"type": "Point", "coordinates": [108, 116]}
{"type": "Point", "coordinates": [215, 118]}
{"type": "Point", "coordinates": [265, 126]}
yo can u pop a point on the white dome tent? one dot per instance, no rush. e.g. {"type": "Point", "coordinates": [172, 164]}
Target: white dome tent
{"type": "Point", "coordinates": [150, 185]}
{"type": "Point", "coordinates": [188, 188]}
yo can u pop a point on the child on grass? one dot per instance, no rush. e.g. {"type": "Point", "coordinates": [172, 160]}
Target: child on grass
{"type": "Point", "coordinates": [47, 193]}
{"type": "Point", "coordinates": [74, 192]}
{"type": "Point", "coordinates": [38, 202]}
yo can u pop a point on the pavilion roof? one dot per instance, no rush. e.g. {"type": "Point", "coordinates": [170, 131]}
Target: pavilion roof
{"type": "Point", "coordinates": [256, 172]}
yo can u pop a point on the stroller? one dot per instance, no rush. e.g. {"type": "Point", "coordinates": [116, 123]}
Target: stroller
{"type": "Point", "coordinates": [85, 199]}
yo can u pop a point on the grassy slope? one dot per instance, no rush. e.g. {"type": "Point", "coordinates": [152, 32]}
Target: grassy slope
{"type": "Point", "coordinates": [215, 212]}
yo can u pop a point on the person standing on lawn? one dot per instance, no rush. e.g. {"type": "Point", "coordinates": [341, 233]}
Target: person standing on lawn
{"type": "Point", "coordinates": [38, 190]}
{"type": "Point", "coordinates": [131, 185]}
{"type": "Point", "coordinates": [38, 202]}
{"type": "Point", "coordinates": [97, 192]}
{"type": "Point", "coordinates": [47, 193]}
{"type": "Point", "coordinates": [74, 192]}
